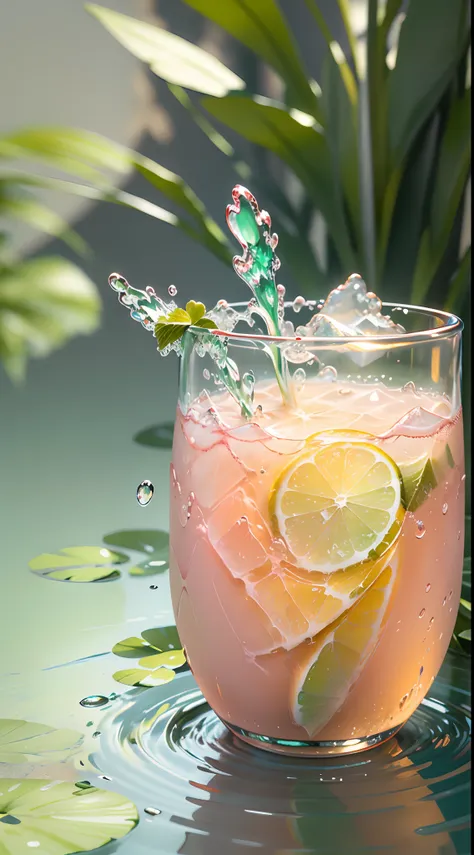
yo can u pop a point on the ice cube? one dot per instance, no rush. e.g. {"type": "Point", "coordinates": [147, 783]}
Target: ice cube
{"type": "Point", "coordinates": [417, 422]}
{"type": "Point", "coordinates": [239, 534]}
{"type": "Point", "coordinates": [214, 474]}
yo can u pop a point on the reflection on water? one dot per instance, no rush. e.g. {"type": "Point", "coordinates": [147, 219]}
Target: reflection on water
{"type": "Point", "coordinates": [207, 793]}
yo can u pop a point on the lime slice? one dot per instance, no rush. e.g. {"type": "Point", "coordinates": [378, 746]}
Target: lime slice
{"type": "Point", "coordinates": [422, 475]}
{"type": "Point", "coordinates": [335, 504]}
{"type": "Point", "coordinates": [336, 656]}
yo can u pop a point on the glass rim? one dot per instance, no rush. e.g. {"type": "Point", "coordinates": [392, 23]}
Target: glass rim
{"type": "Point", "coordinates": [450, 325]}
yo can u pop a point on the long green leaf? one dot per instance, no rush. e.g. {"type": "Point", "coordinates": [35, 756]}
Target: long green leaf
{"type": "Point", "coordinates": [302, 147]}
{"type": "Point", "coordinates": [261, 27]}
{"type": "Point", "coordinates": [459, 284]}
{"type": "Point", "coordinates": [40, 217]}
{"type": "Point", "coordinates": [169, 56]}
{"type": "Point", "coordinates": [431, 44]}
{"type": "Point", "coordinates": [89, 155]}
{"type": "Point", "coordinates": [43, 303]}
{"type": "Point", "coordinates": [450, 181]}
{"type": "Point", "coordinates": [335, 50]}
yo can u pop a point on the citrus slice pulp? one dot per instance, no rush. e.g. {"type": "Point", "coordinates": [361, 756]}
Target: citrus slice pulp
{"type": "Point", "coordinates": [334, 505]}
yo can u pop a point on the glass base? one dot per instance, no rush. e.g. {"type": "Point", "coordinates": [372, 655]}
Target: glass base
{"type": "Point", "coordinates": [294, 748]}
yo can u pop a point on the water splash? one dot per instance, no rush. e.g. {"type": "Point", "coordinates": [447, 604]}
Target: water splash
{"type": "Point", "coordinates": [145, 306]}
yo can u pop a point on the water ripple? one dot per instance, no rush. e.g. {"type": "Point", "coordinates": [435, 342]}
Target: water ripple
{"type": "Point", "coordinates": [219, 796]}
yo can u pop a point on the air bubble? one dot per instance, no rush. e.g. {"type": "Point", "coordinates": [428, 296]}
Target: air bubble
{"type": "Point", "coordinates": [172, 290]}
{"type": "Point", "coordinates": [145, 492]}
{"type": "Point", "coordinates": [428, 588]}
{"type": "Point", "coordinates": [328, 374]}
{"type": "Point", "coordinates": [445, 508]}
{"type": "Point", "coordinates": [299, 378]}
{"type": "Point", "coordinates": [422, 613]}
{"type": "Point", "coordinates": [206, 374]}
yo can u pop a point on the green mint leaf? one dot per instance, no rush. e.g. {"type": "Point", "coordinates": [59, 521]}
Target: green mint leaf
{"type": "Point", "coordinates": [206, 323]}
{"type": "Point", "coordinates": [195, 311]}
{"type": "Point", "coordinates": [179, 316]}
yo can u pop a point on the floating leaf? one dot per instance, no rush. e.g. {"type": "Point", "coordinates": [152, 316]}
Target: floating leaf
{"type": "Point", "coordinates": [60, 817]}
{"type": "Point", "coordinates": [158, 651]}
{"type": "Point", "coordinates": [157, 436]}
{"type": "Point", "coordinates": [154, 543]}
{"type": "Point", "coordinates": [79, 564]}
{"type": "Point", "coordinates": [29, 742]}
{"type": "Point", "coordinates": [142, 677]}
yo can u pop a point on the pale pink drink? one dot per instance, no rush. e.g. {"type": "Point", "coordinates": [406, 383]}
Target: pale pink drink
{"type": "Point", "coordinates": [316, 549]}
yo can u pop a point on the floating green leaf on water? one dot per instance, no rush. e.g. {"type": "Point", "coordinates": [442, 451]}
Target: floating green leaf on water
{"type": "Point", "coordinates": [79, 564]}
{"type": "Point", "coordinates": [157, 436]}
{"type": "Point", "coordinates": [152, 542]}
{"type": "Point", "coordinates": [30, 742]}
{"type": "Point", "coordinates": [60, 817]}
{"type": "Point", "coordinates": [158, 651]}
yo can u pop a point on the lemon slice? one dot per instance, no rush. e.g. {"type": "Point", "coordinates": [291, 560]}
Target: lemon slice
{"type": "Point", "coordinates": [336, 656]}
{"type": "Point", "coordinates": [335, 504]}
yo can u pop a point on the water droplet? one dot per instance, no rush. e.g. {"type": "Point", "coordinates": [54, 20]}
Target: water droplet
{"type": "Point", "coordinates": [421, 670]}
{"type": "Point", "coordinates": [463, 478]}
{"type": "Point", "coordinates": [430, 624]}
{"type": "Point", "coordinates": [151, 811]}
{"type": "Point", "coordinates": [145, 492]}
{"type": "Point", "coordinates": [262, 471]}
{"type": "Point", "coordinates": [96, 734]}
{"type": "Point", "coordinates": [94, 701]}
{"type": "Point", "coordinates": [104, 778]}
{"type": "Point", "coordinates": [450, 595]}
{"type": "Point", "coordinates": [422, 613]}
{"type": "Point", "coordinates": [445, 601]}
{"type": "Point", "coordinates": [445, 508]}
{"type": "Point", "coordinates": [206, 374]}
{"type": "Point", "coordinates": [298, 304]}
{"type": "Point", "coordinates": [403, 701]}
{"type": "Point", "coordinates": [153, 587]}
{"type": "Point", "coordinates": [421, 529]}
{"type": "Point", "coordinates": [172, 290]}
{"type": "Point", "coordinates": [428, 588]}
{"type": "Point", "coordinates": [299, 378]}
{"type": "Point", "coordinates": [281, 290]}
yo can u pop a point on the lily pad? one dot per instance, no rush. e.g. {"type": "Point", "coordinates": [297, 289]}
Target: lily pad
{"type": "Point", "coordinates": [152, 542]}
{"type": "Point", "coordinates": [79, 564]}
{"type": "Point", "coordinates": [157, 436]}
{"type": "Point", "coordinates": [59, 818]}
{"type": "Point", "coordinates": [159, 654]}
{"type": "Point", "coordinates": [29, 742]}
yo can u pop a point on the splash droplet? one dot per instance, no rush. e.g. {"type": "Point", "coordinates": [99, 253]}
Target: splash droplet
{"type": "Point", "coordinates": [298, 304]}
{"type": "Point", "coordinates": [172, 290]}
{"type": "Point", "coordinates": [445, 508]}
{"type": "Point", "coordinates": [94, 701]}
{"type": "Point", "coordinates": [421, 529]}
{"type": "Point", "coordinates": [145, 492]}
{"type": "Point", "coordinates": [151, 811]}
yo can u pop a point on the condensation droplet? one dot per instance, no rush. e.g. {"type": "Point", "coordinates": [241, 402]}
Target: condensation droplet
{"type": "Point", "coordinates": [94, 701]}
{"type": "Point", "coordinates": [145, 492]}
{"type": "Point", "coordinates": [445, 601]}
{"type": "Point", "coordinates": [422, 613]}
{"type": "Point", "coordinates": [403, 701]}
{"type": "Point", "coordinates": [445, 508]}
{"type": "Point", "coordinates": [421, 529]}
{"type": "Point", "coordinates": [450, 595]}
{"type": "Point", "coordinates": [428, 588]}
{"type": "Point", "coordinates": [206, 374]}
{"type": "Point", "coordinates": [172, 290]}
{"type": "Point", "coordinates": [262, 471]}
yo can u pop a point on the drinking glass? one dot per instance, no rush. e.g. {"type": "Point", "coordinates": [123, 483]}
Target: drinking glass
{"type": "Point", "coordinates": [317, 545]}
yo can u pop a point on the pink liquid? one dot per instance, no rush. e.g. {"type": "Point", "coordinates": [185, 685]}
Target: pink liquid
{"type": "Point", "coordinates": [244, 610]}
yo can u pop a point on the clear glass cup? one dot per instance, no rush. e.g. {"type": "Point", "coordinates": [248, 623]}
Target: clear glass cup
{"type": "Point", "coordinates": [317, 546]}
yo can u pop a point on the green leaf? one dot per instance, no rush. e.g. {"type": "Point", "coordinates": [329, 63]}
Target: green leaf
{"type": "Point", "coordinates": [29, 742]}
{"type": "Point", "coordinates": [34, 214]}
{"type": "Point", "coordinates": [167, 659]}
{"type": "Point", "coordinates": [337, 58]}
{"type": "Point", "coordinates": [195, 310]}
{"type": "Point", "coordinates": [466, 634]}
{"type": "Point", "coordinates": [169, 56]}
{"type": "Point", "coordinates": [459, 285]}
{"type": "Point", "coordinates": [206, 324]}
{"type": "Point", "coordinates": [60, 817]}
{"type": "Point", "coordinates": [299, 144]}
{"type": "Point", "coordinates": [157, 436]}
{"type": "Point", "coordinates": [143, 677]}
{"type": "Point", "coordinates": [79, 564]}
{"type": "Point", "coordinates": [132, 648]}
{"type": "Point", "coordinates": [261, 27]}
{"type": "Point", "coordinates": [43, 303]}
{"type": "Point", "coordinates": [431, 44]}
{"type": "Point", "coordinates": [163, 638]}
{"type": "Point", "coordinates": [153, 543]}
